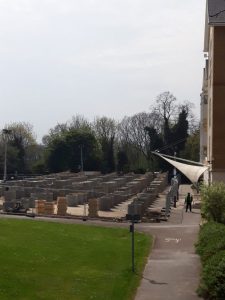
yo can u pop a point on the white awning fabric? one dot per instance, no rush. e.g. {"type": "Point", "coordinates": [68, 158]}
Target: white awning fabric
{"type": "Point", "coordinates": [190, 171]}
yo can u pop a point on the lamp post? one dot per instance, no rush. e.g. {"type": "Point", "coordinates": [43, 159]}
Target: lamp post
{"type": "Point", "coordinates": [81, 159]}
{"type": "Point", "coordinates": [82, 170]}
{"type": "Point", "coordinates": [6, 133]}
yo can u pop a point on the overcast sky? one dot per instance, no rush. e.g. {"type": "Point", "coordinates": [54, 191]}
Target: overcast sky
{"type": "Point", "coordinates": [60, 58]}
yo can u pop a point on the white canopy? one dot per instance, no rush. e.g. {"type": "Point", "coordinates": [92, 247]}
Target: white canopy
{"type": "Point", "coordinates": [190, 171]}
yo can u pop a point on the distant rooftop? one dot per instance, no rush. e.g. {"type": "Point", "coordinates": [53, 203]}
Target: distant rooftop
{"type": "Point", "coordinates": [216, 12]}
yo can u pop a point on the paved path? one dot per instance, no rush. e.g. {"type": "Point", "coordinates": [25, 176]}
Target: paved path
{"type": "Point", "coordinates": [173, 268]}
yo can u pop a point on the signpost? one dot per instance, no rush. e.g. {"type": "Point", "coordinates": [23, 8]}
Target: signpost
{"type": "Point", "coordinates": [133, 218]}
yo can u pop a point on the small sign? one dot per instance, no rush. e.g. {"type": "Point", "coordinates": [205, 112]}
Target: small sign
{"type": "Point", "coordinates": [133, 217]}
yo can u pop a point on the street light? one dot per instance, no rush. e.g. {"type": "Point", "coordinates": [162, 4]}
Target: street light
{"type": "Point", "coordinates": [81, 159]}
{"type": "Point", "coordinates": [6, 132]}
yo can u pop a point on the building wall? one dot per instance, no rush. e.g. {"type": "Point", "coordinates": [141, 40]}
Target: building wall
{"type": "Point", "coordinates": [210, 95]}
{"type": "Point", "coordinates": [214, 44]}
{"type": "Point", "coordinates": [204, 117]}
{"type": "Point", "coordinates": [218, 176]}
{"type": "Point", "coordinates": [217, 107]}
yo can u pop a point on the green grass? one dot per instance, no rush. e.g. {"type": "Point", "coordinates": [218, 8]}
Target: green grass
{"type": "Point", "coordinates": [51, 261]}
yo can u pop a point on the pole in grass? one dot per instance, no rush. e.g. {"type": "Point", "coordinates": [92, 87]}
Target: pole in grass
{"type": "Point", "coordinates": [133, 218]}
{"type": "Point", "coordinates": [132, 243]}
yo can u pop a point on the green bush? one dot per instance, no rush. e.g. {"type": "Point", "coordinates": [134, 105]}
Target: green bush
{"type": "Point", "coordinates": [213, 277]}
{"type": "Point", "coordinates": [211, 240]}
{"type": "Point", "coordinates": [211, 248]}
{"type": "Point", "coordinates": [213, 202]}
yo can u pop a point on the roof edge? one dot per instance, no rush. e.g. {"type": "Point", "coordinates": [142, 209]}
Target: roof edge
{"type": "Point", "coordinates": [206, 38]}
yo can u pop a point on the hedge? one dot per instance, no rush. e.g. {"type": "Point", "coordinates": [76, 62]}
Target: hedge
{"type": "Point", "coordinates": [211, 248]}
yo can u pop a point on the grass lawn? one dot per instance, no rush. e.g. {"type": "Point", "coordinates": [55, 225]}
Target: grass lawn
{"type": "Point", "coordinates": [43, 260]}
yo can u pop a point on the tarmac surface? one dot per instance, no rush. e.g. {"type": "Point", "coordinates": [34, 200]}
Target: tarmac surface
{"type": "Point", "coordinates": [173, 269]}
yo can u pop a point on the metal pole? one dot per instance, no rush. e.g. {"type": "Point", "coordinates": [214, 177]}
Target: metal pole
{"type": "Point", "coordinates": [81, 158]}
{"type": "Point", "coordinates": [132, 245]}
{"type": "Point", "coordinates": [6, 133]}
{"type": "Point", "coordinates": [5, 161]}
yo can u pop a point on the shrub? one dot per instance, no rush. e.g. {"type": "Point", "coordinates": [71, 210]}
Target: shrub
{"type": "Point", "coordinates": [213, 202]}
{"type": "Point", "coordinates": [211, 240]}
{"type": "Point", "coordinates": [211, 248]}
{"type": "Point", "coordinates": [213, 277]}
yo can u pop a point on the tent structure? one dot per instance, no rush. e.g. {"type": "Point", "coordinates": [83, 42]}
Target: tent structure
{"type": "Point", "coordinates": [192, 172]}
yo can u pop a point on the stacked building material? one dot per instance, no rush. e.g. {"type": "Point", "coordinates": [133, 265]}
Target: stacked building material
{"type": "Point", "coordinates": [25, 202]}
{"type": "Point", "coordinates": [9, 197]}
{"type": "Point", "coordinates": [121, 181]}
{"type": "Point", "coordinates": [109, 187]}
{"type": "Point", "coordinates": [92, 174]}
{"type": "Point", "coordinates": [40, 206]}
{"type": "Point", "coordinates": [63, 183]}
{"type": "Point", "coordinates": [9, 194]}
{"type": "Point", "coordinates": [105, 203]}
{"type": "Point", "coordinates": [20, 193]}
{"type": "Point", "coordinates": [144, 200]}
{"type": "Point", "coordinates": [41, 194]}
{"type": "Point", "coordinates": [49, 208]}
{"type": "Point", "coordinates": [72, 200]}
{"type": "Point", "coordinates": [93, 208]}
{"type": "Point", "coordinates": [61, 206]}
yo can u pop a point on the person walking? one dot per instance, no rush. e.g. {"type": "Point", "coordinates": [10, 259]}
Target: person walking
{"type": "Point", "coordinates": [188, 202]}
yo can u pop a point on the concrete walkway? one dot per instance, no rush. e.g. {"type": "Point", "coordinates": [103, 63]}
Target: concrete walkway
{"type": "Point", "coordinates": [173, 268]}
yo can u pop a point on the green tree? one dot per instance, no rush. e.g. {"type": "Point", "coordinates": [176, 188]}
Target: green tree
{"type": "Point", "coordinates": [192, 147]}
{"type": "Point", "coordinates": [105, 130]}
{"type": "Point", "coordinates": [76, 123]}
{"type": "Point", "coordinates": [213, 202]}
{"type": "Point", "coordinates": [122, 161]}
{"type": "Point", "coordinates": [156, 142]}
{"type": "Point", "coordinates": [180, 130]}
{"type": "Point", "coordinates": [21, 140]}
{"type": "Point", "coordinates": [64, 152]}
{"type": "Point", "coordinates": [58, 154]}
{"type": "Point", "coordinates": [55, 132]}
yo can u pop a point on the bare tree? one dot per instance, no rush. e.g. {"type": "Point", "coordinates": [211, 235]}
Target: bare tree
{"type": "Point", "coordinates": [132, 131]}
{"type": "Point", "coordinates": [79, 122]}
{"type": "Point", "coordinates": [105, 128]}
{"type": "Point", "coordinates": [165, 105]}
